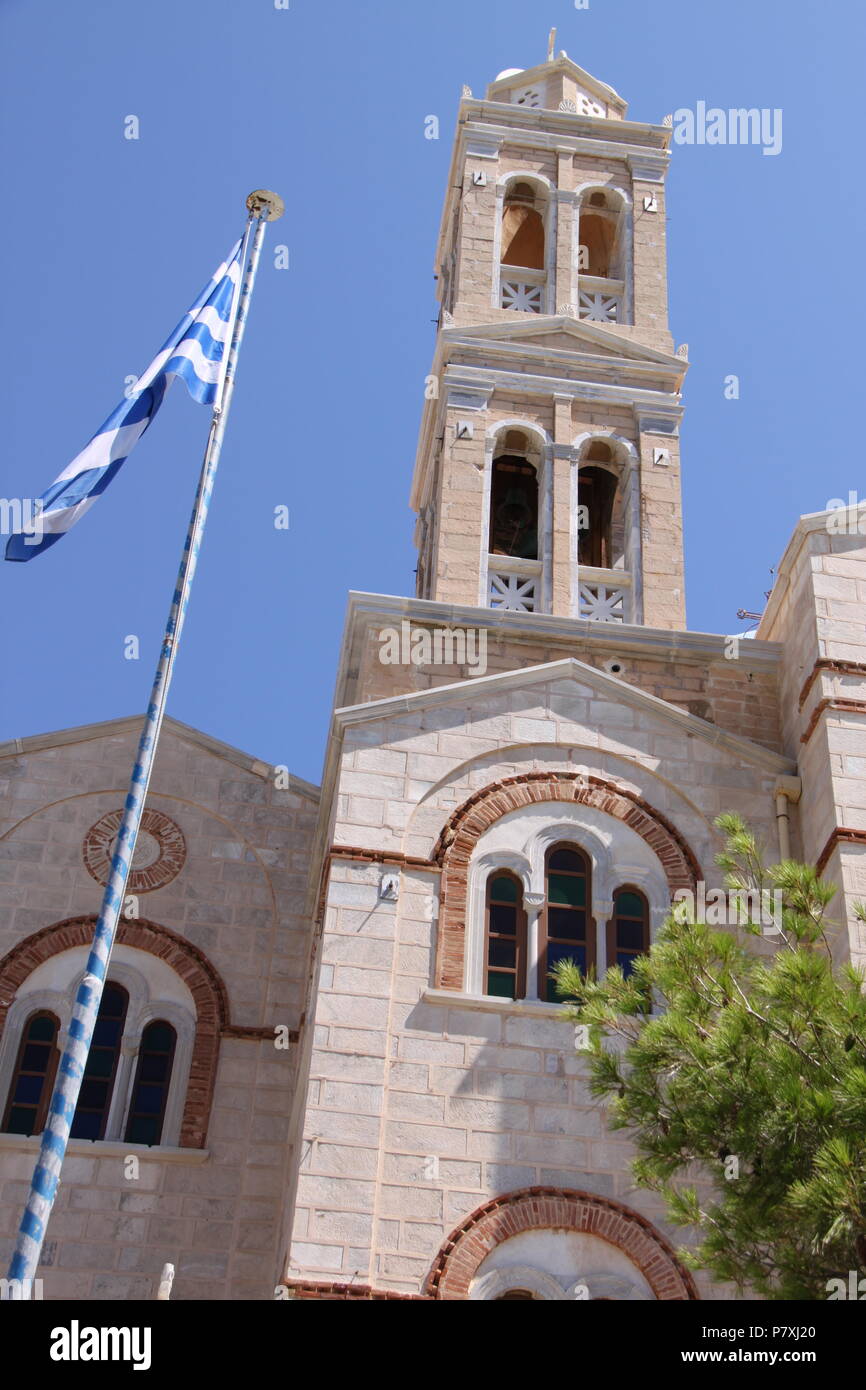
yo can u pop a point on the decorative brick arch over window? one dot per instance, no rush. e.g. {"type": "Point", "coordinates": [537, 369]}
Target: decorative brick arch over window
{"type": "Point", "coordinates": [190, 964]}
{"type": "Point", "coordinates": [555, 1208]}
{"type": "Point", "coordinates": [461, 832]}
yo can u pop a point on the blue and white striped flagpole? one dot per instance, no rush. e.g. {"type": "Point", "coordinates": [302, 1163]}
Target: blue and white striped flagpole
{"type": "Point", "coordinates": [263, 207]}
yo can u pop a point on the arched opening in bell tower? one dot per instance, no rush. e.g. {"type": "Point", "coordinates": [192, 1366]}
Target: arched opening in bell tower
{"type": "Point", "coordinates": [514, 500]}
{"type": "Point", "coordinates": [523, 237]}
{"type": "Point", "coordinates": [522, 227]}
{"type": "Point", "coordinates": [596, 498]}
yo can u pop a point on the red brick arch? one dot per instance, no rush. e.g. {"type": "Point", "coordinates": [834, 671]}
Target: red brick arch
{"type": "Point", "coordinates": [193, 967]}
{"type": "Point", "coordinates": [556, 1208]}
{"type": "Point", "coordinates": [464, 827]}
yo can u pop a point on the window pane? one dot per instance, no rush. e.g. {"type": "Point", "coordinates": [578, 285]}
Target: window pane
{"type": "Point", "coordinates": [503, 951]}
{"type": "Point", "coordinates": [563, 922]}
{"type": "Point", "coordinates": [501, 985]}
{"type": "Point", "coordinates": [148, 1100]}
{"type": "Point", "coordinates": [28, 1091]}
{"type": "Point", "coordinates": [563, 888]}
{"type": "Point", "coordinates": [503, 889]}
{"type": "Point", "coordinates": [629, 905]}
{"type": "Point", "coordinates": [630, 935]}
{"type": "Point", "coordinates": [557, 953]}
{"type": "Point", "coordinates": [144, 1129]}
{"type": "Point", "coordinates": [113, 1002]}
{"type": "Point", "coordinates": [503, 920]}
{"type": "Point", "coordinates": [107, 1031]}
{"type": "Point", "coordinates": [160, 1037]}
{"type": "Point", "coordinates": [93, 1094]}
{"type": "Point", "coordinates": [86, 1125]}
{"type": "Point", "coordinates": [42, 1029]}
{"type": "Point", "coordinates": [35, 1057]}
{"type": "Point", "coordinates": [154, 1066]}
{"type": "Point", "coordinates": [569, 859]}
{"type": "Point", "coordinates": [626, 960]}
{"type": "Point", "coordinates": [21, 1121]}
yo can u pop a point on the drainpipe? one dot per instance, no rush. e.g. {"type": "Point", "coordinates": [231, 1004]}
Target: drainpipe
{"type": "Point", "coordinates": [787, 790]}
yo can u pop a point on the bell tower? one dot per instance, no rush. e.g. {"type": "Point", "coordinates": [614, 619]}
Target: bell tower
{"type": "Point", "coordinates": [547, 476]}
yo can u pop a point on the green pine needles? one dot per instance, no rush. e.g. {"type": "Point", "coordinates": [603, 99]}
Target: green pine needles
{"type": "Point", "coordinates": [738, 1066]}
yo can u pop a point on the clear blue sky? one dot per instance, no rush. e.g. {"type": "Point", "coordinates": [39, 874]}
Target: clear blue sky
{"type": "Point", "coordinates": [106, 240]}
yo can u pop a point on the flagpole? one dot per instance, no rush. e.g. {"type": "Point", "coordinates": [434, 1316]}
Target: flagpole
{"type": "Point", "coordinates": [263, 207]}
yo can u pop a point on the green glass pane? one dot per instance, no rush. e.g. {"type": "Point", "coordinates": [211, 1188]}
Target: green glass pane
{"type": "Point", "coordinates": [500, 984]}
{"type": "Point", "coordinates": [564, 888]}
{"type": "Point", "coordinates": [629, 905]}
{"type": "Point", "coordinates": [503, 889]}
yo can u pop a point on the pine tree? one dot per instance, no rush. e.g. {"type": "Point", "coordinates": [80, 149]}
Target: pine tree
{"type": "Point", "coordinates": [739, 1067]}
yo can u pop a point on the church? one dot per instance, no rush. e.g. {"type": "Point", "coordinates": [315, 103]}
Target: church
{"type": "Point", "coordinates": [329, 1062]}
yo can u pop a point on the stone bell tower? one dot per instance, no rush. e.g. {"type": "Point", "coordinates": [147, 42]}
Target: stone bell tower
{"type": "Point", "coordinates": [547, 477]}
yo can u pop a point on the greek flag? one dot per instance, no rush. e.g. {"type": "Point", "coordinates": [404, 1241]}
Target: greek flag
{"type": "Point", "coordinates": [193, 352]}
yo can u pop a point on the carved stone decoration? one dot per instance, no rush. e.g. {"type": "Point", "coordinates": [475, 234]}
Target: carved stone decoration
{"type": "Point", "coordinates": [566, 105]}
{"type": "Point", "coordinates": [467, 91]}
{"type": "Point", "coordinates": [683, 350]}
{"type": "Point", "coordinates": [567, 310]}
{"type": "Point", "coordinates": [160, 851]}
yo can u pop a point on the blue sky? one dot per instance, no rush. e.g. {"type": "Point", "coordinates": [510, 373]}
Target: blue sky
{"type": "Point", "coordinates": [106, 240]}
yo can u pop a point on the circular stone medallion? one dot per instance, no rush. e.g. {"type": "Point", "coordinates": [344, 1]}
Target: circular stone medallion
{"type": "Point", "coordinates": [160, 850]}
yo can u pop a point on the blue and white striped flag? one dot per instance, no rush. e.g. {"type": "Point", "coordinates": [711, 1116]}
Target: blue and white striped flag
{"type": "Point", "coordinates": [195, 353]}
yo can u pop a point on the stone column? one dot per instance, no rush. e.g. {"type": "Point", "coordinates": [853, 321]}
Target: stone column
{"type": "Point", "coordinates": [533, 903]}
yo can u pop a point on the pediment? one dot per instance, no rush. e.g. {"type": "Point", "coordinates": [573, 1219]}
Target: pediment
{"type": "Point", "coordinates": [580, 679]}
{"type": "Point", "coordinates": [565, 333]}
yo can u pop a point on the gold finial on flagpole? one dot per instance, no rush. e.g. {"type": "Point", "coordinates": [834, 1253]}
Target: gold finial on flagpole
{"type": "Point", "coordinates": [551, 44]}
{"type": "Point", "coordinates": [262, 203]}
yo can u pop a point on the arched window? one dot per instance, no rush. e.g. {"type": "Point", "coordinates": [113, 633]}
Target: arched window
{"type": "Point", "coordinates": [97, 1086]}
{"type": "Point", "coordinates": [523, 247]}
{"type": "Point", "coordinates": [599, 230]}
{"type": "Point", "coordinates": [522, 228]}
{"type": "Point", "coordinates": [602, 257]}
{"type": "Point", "coordinates": [566, 929]}
{"type": "Point", "coordinates": [514, 501]}
{"type": "Point", "coordinates": [150, 1088]}
{"type": "Point", "coordinates": [596, 495]}
{"type": "Point", "coordinates": [505, 944]}
{"type": "Point", "coordinates": [33, 1077]}
{"type": "Point", "coordinates": [628, 934]}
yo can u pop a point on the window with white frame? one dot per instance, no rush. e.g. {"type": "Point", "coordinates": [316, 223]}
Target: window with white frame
{"type": "Point", "coordinates": [551, 882]}
{"type": "Point", "coordinates": [135, 1081]}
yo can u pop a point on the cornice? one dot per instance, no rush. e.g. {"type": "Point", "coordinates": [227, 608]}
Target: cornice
{"type": "Point", "coordinates": [86, 733]}
{"type": "Point", "coordinates": [530, 384]}
{"type": "Point", "coordinates": [624, 638]}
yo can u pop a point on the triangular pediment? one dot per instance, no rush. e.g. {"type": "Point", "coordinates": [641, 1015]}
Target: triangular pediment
{"type": "Point", "coordinates": [563, 333]}
{"type": "Point", "coordinates": [583, 679]}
